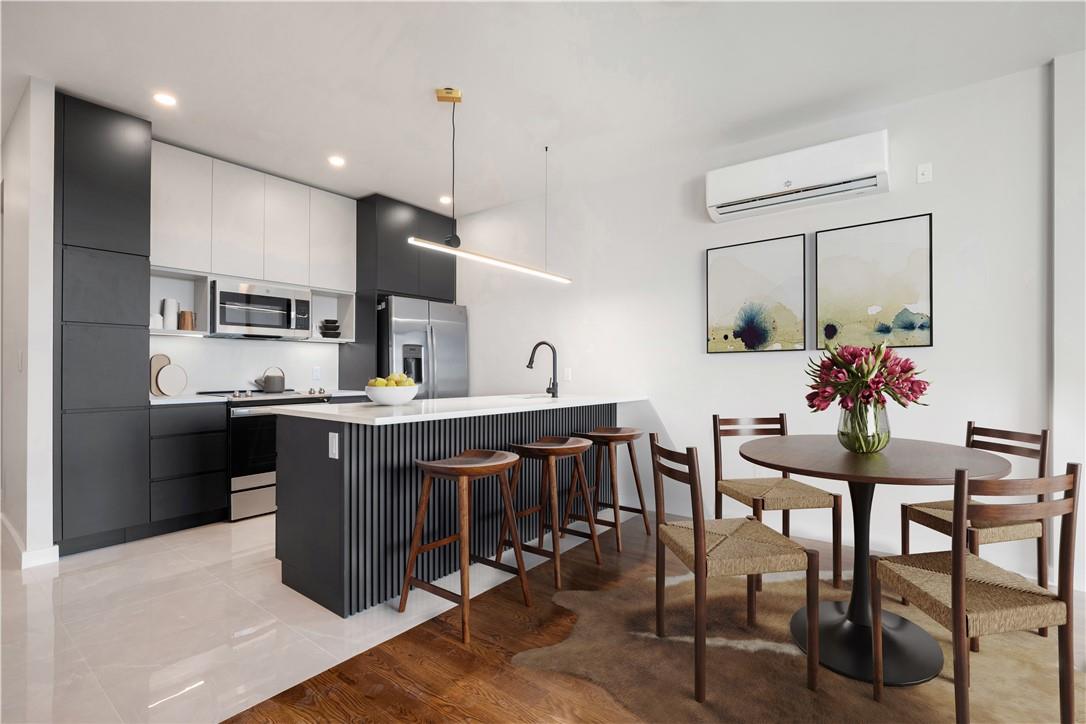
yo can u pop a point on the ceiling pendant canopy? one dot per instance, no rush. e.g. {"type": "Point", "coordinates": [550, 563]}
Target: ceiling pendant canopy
{"type": "Point", "coordinates": [451, 243]}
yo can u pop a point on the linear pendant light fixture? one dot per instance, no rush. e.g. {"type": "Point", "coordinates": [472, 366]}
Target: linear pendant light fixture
{"type": "Point", "coordinates": [451, 243]}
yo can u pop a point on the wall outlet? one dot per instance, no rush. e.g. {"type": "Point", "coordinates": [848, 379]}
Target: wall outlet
{"type": "Point", "coordinates": [923, 173]}
{"type": "Point", "coordinates": [568, 374]}
{"type": "Point", "coordinates": [316, 376]}
{"type": "Point", "coordinates": [333, 446]}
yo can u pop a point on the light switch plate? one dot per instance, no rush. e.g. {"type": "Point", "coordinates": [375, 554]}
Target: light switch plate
{"type": "Point", "coordinates": [923, 173]}
{"type": "Point", "coordinates": [316, 376]}
{"type": "Point", "coordinates": [333, 446]}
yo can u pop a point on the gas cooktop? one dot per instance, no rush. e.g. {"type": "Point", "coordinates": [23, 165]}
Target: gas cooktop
{"type": "Point", "coordinates": [247, 396]}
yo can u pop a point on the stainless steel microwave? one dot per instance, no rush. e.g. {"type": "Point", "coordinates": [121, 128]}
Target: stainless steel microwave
{"type": "Point", "coordinates": [251, 309]}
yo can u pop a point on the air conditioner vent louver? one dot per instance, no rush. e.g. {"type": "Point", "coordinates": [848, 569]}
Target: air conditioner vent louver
{"type": "Point", "coordinates": [841, 169]}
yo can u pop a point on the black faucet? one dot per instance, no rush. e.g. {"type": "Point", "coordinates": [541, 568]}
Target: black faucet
{"type": "Point", "coordinates": [552, 389]}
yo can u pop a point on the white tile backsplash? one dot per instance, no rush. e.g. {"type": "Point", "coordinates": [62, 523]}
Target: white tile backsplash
{"type": "Point", "coordinates": [230, 364]}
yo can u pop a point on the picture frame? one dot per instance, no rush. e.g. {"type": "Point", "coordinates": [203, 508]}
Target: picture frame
{"type": "Point", "coordinates": [756, 296]}
{"type": "Point", "coordinates": [873, 283]}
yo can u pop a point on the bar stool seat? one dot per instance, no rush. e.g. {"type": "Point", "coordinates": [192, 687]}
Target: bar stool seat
{"type": "Point", "coordinates": [609, 438]}
{"type": "Point", "coordinates": [550, 449]}
{"type": "Point", "coordinates": [477, 463]}
{"type": "Point", "coordinates": [464, 468]}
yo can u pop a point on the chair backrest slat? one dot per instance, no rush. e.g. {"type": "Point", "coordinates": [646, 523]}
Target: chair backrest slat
{"type": "Point", "coordinates": [743, 427]}
{"type": "Point", "coordinates": [1007, 512]}
{"type": "Point", "coordinates": [1030, 437]}
{"type": "Point", "coordinates": [689, 475]}
{"type": "Point", "coordinates": [1029, 486]}
{"type": "Point", "coordinates": [1002, 447]}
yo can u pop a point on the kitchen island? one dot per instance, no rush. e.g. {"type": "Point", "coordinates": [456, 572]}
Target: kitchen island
{"type": "Point", "coordinates": [348, 486]}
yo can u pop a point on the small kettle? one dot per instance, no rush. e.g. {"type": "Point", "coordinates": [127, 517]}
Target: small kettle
{"type": "Point", "coordinates": [274, 382]}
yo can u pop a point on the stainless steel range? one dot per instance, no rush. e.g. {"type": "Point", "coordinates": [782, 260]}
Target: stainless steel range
{"type": "Point", "coordinates": [252, 446]}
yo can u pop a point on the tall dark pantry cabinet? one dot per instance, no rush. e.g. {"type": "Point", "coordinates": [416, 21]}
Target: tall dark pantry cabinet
{"type": "Point", "coordinates": [102, 212]}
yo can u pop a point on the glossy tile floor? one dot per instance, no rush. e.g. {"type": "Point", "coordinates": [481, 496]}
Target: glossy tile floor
{"type": "Point", "coordinates": [189, 627]}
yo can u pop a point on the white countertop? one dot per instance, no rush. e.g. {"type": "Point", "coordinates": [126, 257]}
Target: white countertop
{"type": "Point", "coordinates": [370, 413]}
{"type": "Point", "coordinates": [197, 399]}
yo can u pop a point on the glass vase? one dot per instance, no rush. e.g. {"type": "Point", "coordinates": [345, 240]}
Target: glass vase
{"type": "Point", "coordinates": [864, 428]}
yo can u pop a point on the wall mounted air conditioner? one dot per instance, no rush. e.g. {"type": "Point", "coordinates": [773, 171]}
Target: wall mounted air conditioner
{"type": "Point", "coordinates": [843, 169]}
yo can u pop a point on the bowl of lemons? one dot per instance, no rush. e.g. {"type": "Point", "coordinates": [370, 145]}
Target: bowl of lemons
{"type": "Point", "coordinates": [396, 389]}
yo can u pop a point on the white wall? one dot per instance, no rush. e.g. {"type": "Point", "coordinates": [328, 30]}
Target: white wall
{"type": "Point", "coordinates": [634, 318]}
{"type": "Point", "coordinates": [27, 358]}
{"type": "Point", "coordinates": [232, 364]}
{"type": "Point", "coordinates": [1069, 270]}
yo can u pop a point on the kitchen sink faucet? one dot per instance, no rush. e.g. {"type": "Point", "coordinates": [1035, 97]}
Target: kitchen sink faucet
{"type": "Point", "coordinates": [552, 389]}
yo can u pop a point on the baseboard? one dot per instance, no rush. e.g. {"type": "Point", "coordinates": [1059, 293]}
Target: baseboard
{"type": "Point", "coordinates": [28, 559]}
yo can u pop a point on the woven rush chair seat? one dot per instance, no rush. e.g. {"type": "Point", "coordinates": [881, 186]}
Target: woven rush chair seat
{"type": "Point", "coordinates": [997, 600]}
{"type": "Point", "coordinates": [939, 515]}
{"type": "Point", "coordinates": [735, 547]}
{"type": "Point", "coordinates": [776, 493]}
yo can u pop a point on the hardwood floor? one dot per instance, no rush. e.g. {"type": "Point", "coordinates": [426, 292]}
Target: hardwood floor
{"type": "Point", "coordinates": [427, 674]}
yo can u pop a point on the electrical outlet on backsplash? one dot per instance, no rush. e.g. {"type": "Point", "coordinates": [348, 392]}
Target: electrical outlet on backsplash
{"type": "Point", "coordinates": [233, 364]}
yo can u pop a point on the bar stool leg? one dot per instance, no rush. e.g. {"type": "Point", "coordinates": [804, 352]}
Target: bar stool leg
{"type": "Point", "coordinates": [463, 485]}
{"type": "Point", "coordinates": [640, 492]}
{"type": "Point", "coordinates": [544, 483]}
{"type": "Point", "coordinates": [590, 514]}
{"type": "Point", "coordinates": [612, 464]}
{"type": "Point", "coordinates": [505, 525]}
{"type": "Point", "coordinates": [416, 539]}
{"type": "Point", "coordinates": [511, 521]}
{"type": "Point", "coordinates": [598, 449]}
{"type": "Point", "coordinates": [758, 517]}
{"type": "Point", "coordinates": [552, 474]}
{"type": "Point", "coordinates": [574, 491]}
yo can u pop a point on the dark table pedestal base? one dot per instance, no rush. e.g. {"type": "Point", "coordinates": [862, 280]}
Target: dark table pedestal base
{"type": "Point", "coordinates": [910, 655]}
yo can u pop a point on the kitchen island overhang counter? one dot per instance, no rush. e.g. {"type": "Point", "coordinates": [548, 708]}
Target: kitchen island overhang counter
{"type": "Point", "coordinates": [348, 486]}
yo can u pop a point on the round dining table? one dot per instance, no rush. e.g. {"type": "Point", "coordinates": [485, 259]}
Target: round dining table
{"type": "Point", "coordinates": [911, 655]}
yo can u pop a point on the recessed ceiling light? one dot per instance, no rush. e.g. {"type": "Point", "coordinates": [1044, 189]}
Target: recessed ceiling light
{"type": "Point", "coordinates": [337, 161]}
{"type": "Point", "coordinates": [446, 200]}
{"type": "Point", "coordinates": [164, 99]}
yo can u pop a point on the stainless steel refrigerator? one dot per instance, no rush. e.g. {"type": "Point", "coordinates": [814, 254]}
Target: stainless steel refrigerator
{"type": "Point", "coordinates": [427, 341]}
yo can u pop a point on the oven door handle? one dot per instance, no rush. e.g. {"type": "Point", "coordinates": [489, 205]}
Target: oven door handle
{"type": "Point", "coordinates": [249, 411]}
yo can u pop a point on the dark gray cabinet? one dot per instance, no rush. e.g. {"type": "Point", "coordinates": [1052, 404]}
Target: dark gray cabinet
{"type": "Point", "coordinates": [104, 366]}
{"type": "Point", "coordinates": [188, 496]}
{"type": "Point", "coordinates": [400, 267]}
{"type": "Point", "coordinates": [104, 286]}
{"type": "Point", "coordinates": [180, 455]}
{"type": "Point", "coordinates": [101, 234]}
{"type": "Point", "coordinates": [104, 467]}
{"type": "Point", "coordinates": [106, 178]}
{"type": "Point", "coordinates": [187, 419]}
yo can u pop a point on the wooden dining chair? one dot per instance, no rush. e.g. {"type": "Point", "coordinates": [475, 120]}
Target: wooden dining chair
{"type": "Point", "coordinates": [771, 493]}
{"type": "Point", "coordinates": [938, 515]}
{"type": "Point", "coordinates": [730, 547]}
{"type": "Point", "coordinates": [972, 597]}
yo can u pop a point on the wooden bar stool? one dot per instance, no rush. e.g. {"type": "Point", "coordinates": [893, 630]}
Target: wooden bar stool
{"type": "Point", "coordinates": [467, 466]}
{"type": "Point", "coordinates": [550, 449]}
{"type": "Point", "coordinates": [610, 438]}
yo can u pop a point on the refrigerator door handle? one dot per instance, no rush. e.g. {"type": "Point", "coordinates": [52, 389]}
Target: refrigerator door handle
{"type": "Point", "coordinates": [431, 363]}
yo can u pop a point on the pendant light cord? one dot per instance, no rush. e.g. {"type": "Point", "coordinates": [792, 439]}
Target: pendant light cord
{"type": "Point", "coordinates": [546, 206]}
{"type": "Point", "coordinates": [453, 168]}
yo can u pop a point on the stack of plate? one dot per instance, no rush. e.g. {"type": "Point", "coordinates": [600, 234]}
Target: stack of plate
{"type": "Point", "coordinates": [330, 328]}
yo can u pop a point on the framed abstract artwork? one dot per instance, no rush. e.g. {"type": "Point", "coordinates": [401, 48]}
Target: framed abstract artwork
{"type": "Point", "coordinates": [755, 296]}
{"type": "Point", "coordinates": [873, 283]}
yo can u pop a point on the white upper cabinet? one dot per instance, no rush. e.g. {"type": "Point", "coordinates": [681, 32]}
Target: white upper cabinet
{"type": "Point", "coordinates": [286, 231]}
{"type": "Point", "coordinates": [237, 221]}
{"type": "Point", "coordinates": [332, 240]}
{"type": "Point", "coordinates": [180, 208]}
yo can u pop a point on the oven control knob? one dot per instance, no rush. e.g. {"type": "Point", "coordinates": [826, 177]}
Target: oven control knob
{"type": "Point", "coordinates": [312, 391]}
{"type": "Point", "coordinates": [321, 390]}
{"type": "Point", "coordinates": [248, 393]}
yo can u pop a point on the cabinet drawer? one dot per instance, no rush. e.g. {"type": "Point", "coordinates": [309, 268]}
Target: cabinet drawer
{"type": "Point", "coordinates": [104, 367]}
{"type": "Point", "coordinates": [103, 472]}
{"type": "Point", "coordinates": [187, 419]}
{"type": "Point", "coordinates": [173, 457]}
{"type": "Point", "coordinates": [186, 496]}
{"type": "Point", "coordinates": [104, 286]}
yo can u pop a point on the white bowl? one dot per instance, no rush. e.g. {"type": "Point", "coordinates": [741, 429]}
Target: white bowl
{"type": "Point", "coordinates": [392, 395]}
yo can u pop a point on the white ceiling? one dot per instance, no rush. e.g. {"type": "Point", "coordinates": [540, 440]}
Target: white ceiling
{"type": "Point", "coordinates": [280, 86]}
